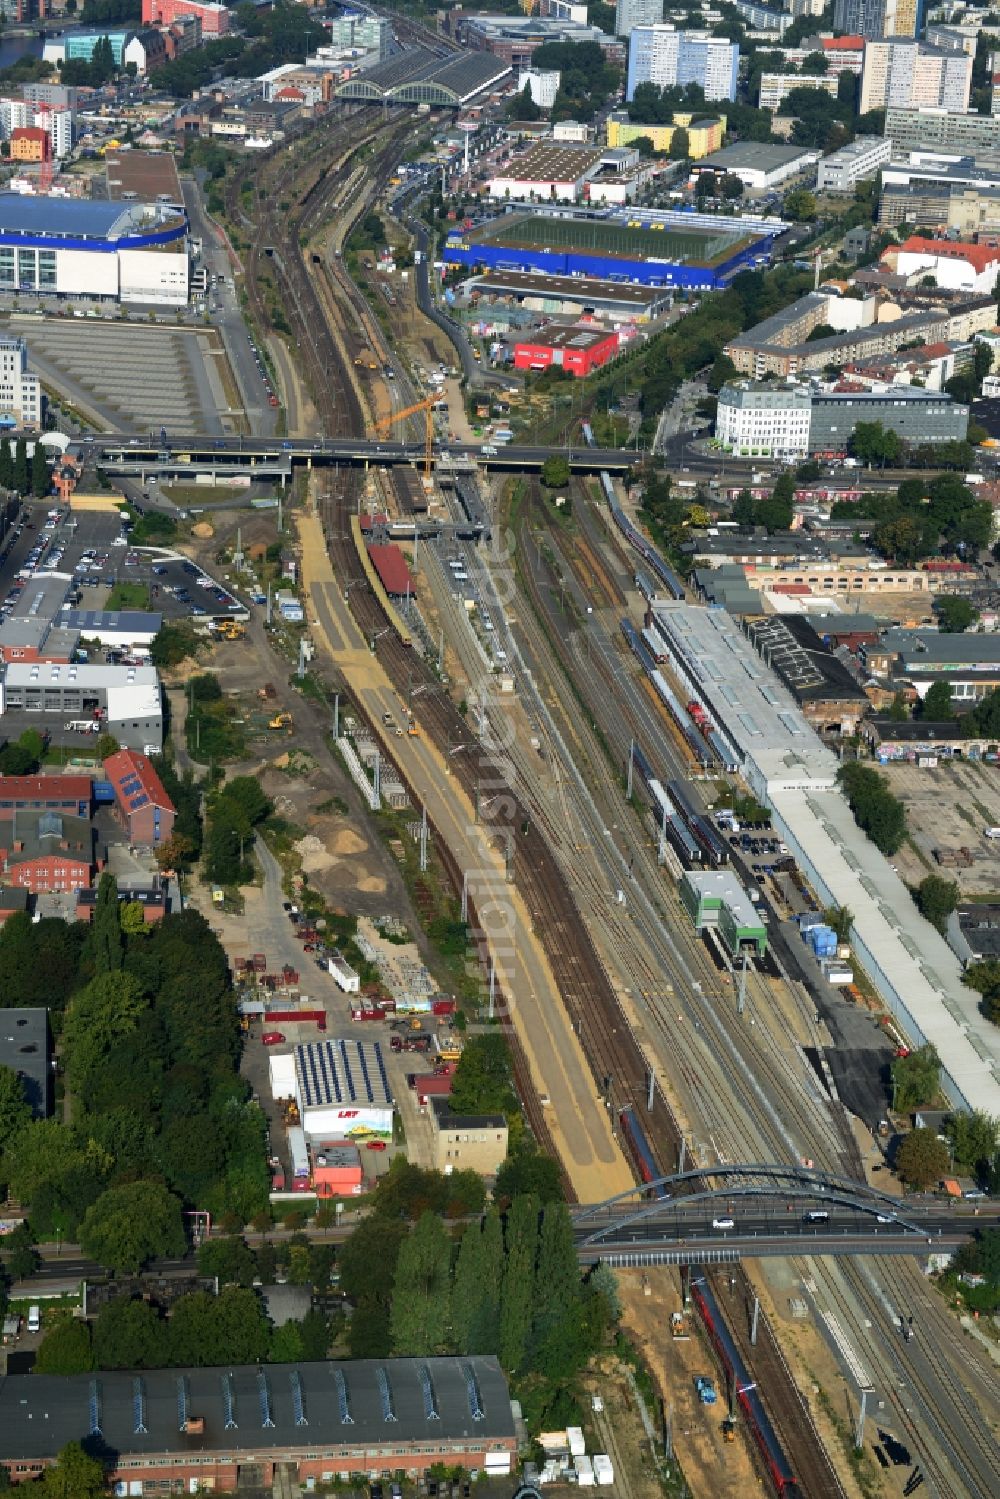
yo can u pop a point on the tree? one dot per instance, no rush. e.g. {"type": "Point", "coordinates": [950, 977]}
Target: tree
{"type": "Point", "coordinates": [106, 746]}
{"type": "Point", "coordinates": [132, 1224]}
{"type": "Point", "coordinates": [105, 944]}
{"type": "Point", "coordinates": [975, 1140]}
{"type": "Point", "coordinates": [475, 1300]}
{"type": "Point", "coordinates": [172, 644]}
{"type": "Point", "coordinates": [732, 187]}
{"type": "Point", "coordinates": [555, 471]}
{"type": "Point", "coordinates": [65, 1349]}
{"type": "Point", "coordinates": [706, 185]}
{"type": "Point", "coordinates": [557, 1281]}
{"type": "Point", "coordinates": [915, 1078]}
{"type": "Point", "coordinates": [840, 919]}
{"type": "Point", "coordinates": [880, 814]}
{"type": "Point", "coordinates": [800, 204]}
{"type": "Point", "coordinates": [936, 705]}
{"type": "Point", "coordinates": [984, 977]}
{"type": "Point", "coordinates": [897, 709]}
{"type": "Point", "coordinates": [527, 1170]}
{"type": "Point", "coordinates": [129, 1334]}
{"type": "Point", "coordinates": [680, 145]}
{"type": "Point", "coordinates": [15, 1111]}
{"type": "Point", "coordinates": [518, 1287]}
{"type": "Point", "coordinates": [420, 1318]}
{"type": "Point", "coordinates": [922, 1159]}
{"type": "Point", "coordinates": [955, 613]}
{"type": "Point", "coordinates": [21, 483]}
{"type": "Point", "coordinates": [723, 370]}
{"type": "Point", "coordinates": [229, 1259]}
{"type": "Point", "coordinates": [936, 898]}
{"type": "Point", "coordinates": [74, 1475]}
{"type": "Point", "coordinates": [39, 478]}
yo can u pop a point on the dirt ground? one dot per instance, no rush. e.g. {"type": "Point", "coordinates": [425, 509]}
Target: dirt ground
{"type": "Point", "coordinates": [949, 807]}
{"type": "Point", "coordinates": [711, 1466]}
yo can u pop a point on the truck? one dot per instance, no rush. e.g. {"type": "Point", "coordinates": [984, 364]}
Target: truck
{"type": "Point", "coordinates": [299, 1152]}
{"type": "Point", "coordinates": [706, 1389]}
{"type": "Point", "coordinates": [698, 714]}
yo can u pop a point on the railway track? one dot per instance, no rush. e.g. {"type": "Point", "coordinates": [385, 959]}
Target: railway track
{"type": "Point", "coordinates": [592, 1003]}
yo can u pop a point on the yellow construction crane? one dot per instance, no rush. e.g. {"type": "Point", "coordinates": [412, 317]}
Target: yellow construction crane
{"type": "Point", "coordinates": [385, 423]}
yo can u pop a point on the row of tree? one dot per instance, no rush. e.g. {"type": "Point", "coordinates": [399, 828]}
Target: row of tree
{"type": "Point", "coordinates": [202, 1331]}
{"type": "Point", "coordinates": [877, 812]}
{"type": "Point", "coordinates": [509, 1284]}
{"type": "Point", "coordinates": [150, 1046]}
{"type": "Point", "coordinates": [921, 517]}
{"type": "Point", "coordinates": [21, 474]}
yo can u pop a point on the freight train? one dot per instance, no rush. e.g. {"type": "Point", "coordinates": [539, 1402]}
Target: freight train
{"type": "Point", "coordinates": [758, 1422]}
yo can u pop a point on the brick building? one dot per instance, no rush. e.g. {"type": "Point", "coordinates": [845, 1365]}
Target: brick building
{"type": "Point", "coordinates": [210, 1429]}
{"type": "Point", "coordinates": [142, 806]}
{"type": "Point", "coordinates": [68, 795]}
{"type": "Point", "coordinates": [579, 349]}
{"type": "Point", "coordinates": [46, 851]}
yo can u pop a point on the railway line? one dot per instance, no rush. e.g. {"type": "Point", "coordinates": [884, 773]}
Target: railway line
{"type": "Point", "coordinates": [596, 1009]}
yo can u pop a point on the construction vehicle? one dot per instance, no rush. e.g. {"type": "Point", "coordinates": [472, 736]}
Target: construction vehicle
{"type": "Point", "coordinates": [386, 423]}
{"type": "Point", "coordinates": [280, 721]}
{"type": "Point", "coordinates": [412, 730]}
{"type": "Point", "coordinates": [729, 1429]}
{"type": "Point", "coordinates": [366, 361]}
{"type": "Point", "coordinates": [230, 630]}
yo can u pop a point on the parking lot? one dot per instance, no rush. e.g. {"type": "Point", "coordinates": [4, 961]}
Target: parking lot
{"type": "Point", "coordinates": [948, 809]}
{"type": "Point", "coordinates": [91, 548]}
{"type": "Point", "coordinates": [136, 376]}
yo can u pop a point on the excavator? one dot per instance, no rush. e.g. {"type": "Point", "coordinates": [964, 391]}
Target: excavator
{"type": "Point", "coordinates": [281, 721]}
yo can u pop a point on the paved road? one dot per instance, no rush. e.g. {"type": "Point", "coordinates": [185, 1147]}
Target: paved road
{"type": "Point", "coordinates": [228, 318]}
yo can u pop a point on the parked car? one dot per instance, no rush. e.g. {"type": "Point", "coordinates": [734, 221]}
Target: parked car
{"type": "Point", "coordinates": [376, 1145]}
{"type": "Point", "coordinates": [272, 1038]}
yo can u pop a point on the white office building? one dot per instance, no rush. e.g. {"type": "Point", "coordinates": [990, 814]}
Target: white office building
{"type": "Point", "coordinates": [20, 392]}
{"type": "Point", "coordinates": [665, 56]}
{"type": "Point", "coordinates": [632, 13]}
{"type": "Point", "coordinates": [15, 114]}
{"type": "Point", "coordinates": [764, 421]}
{"type": "Point", "coordinates": [853, 163]}
{"type": "Point", "coordinates": [543, 87]}
{"type": "Point", "coordinates": [907, 73]}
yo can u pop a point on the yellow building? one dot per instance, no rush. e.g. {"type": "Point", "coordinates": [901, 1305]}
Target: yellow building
{"type": "Point", "coordinates": [705, 133]}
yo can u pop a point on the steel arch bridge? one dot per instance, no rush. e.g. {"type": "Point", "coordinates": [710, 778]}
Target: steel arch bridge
{"type": "Point", "coordinates": [761, 1180]}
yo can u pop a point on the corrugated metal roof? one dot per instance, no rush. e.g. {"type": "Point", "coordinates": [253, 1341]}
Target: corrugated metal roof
{"type": "Point", "coordinates": [390, 564]}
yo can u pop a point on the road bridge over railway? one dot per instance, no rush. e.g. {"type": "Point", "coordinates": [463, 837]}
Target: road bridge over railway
{"type": "Point", "coordinates": [728, 1212]}
{"type": "Point", "coordinates": [181, 456]}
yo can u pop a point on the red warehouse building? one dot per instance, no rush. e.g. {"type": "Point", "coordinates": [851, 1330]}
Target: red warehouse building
{"type": "Point", "coordinates": [142, 806]}
{"type": "Point", "coordinates": [579, 349]}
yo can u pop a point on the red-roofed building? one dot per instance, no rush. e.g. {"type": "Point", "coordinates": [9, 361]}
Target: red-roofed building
{"type": "Point", "coordinates": [394, 575]}
{"type": "Point", "coordinates": [843, 54]}
{"type": "Point", "coordinates": [68, 794]}
{"type": "Point", "coordinates": [953, 263]}
{"type": "Point", "coordinates": [142, 806]}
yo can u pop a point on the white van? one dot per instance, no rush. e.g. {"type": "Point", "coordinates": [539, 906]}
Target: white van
{"type": "Point", "coordinates": [34, 1319]}
{"type": "Point", "coordinates": [992, 833]}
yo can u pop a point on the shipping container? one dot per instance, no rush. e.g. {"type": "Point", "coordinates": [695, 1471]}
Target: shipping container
{"type": "Point", "coordinates": [299, 1153]}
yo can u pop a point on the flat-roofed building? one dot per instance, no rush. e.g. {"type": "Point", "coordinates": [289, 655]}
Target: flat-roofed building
{"type": "Point", "coordinates": [715, 898]}
{"type": "Point", "coordinates": [963, 132]}
{"type": "Point", "coordinates": [70, 794]}
{"type": "Point", "coordinates": [902, 71]}
{"type": "Point", "coordinates": [467, 1142]}
{"type": "Point", "coordinates": [705, 133]}
{"type": "Point", "coordinates": [123, 700]}
{"type": "Point", "coordinates": [776, 87]}
{"type": "Point", "coordinates": [859, 160]}
{"type": "Point", "coordinates": [758, 166]}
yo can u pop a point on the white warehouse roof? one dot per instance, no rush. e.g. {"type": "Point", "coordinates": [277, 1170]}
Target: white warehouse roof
{"type": "Point", "coordinates": [786, 764]}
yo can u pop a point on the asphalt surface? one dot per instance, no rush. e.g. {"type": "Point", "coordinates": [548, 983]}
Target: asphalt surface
{"type": "Point", "coordinates": [226, 316]}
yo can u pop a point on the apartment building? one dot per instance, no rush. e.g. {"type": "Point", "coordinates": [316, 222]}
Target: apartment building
{"type": "Point", "coordinates": [877, 18]}
{"type": "Point", "coordinates": [963, 132]}
{"type": "Point", "coordinates": [705, 133]}
{"type": "Point", "coordinates": [791, 421]}
{"type": "Point", "coordinates": [775, 87]}
{"type": "Point", "coordinates": [665, 56]}
{"type": "Point", "coordinates": [632, 13]}
{"type": "Point", "coordinates": [905, 72]}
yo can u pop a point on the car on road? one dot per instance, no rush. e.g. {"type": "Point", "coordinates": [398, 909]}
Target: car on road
{"type": "Point", "coordinates": [723, 1223]}
{"type": "Point", "coordinates": [272, 1038]}
{"type": "Point", "coordinates": [376, 1145]}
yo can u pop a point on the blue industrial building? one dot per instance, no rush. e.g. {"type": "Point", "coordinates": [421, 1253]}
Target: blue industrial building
{"type": "Point", "coordinates": [694, 252]}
